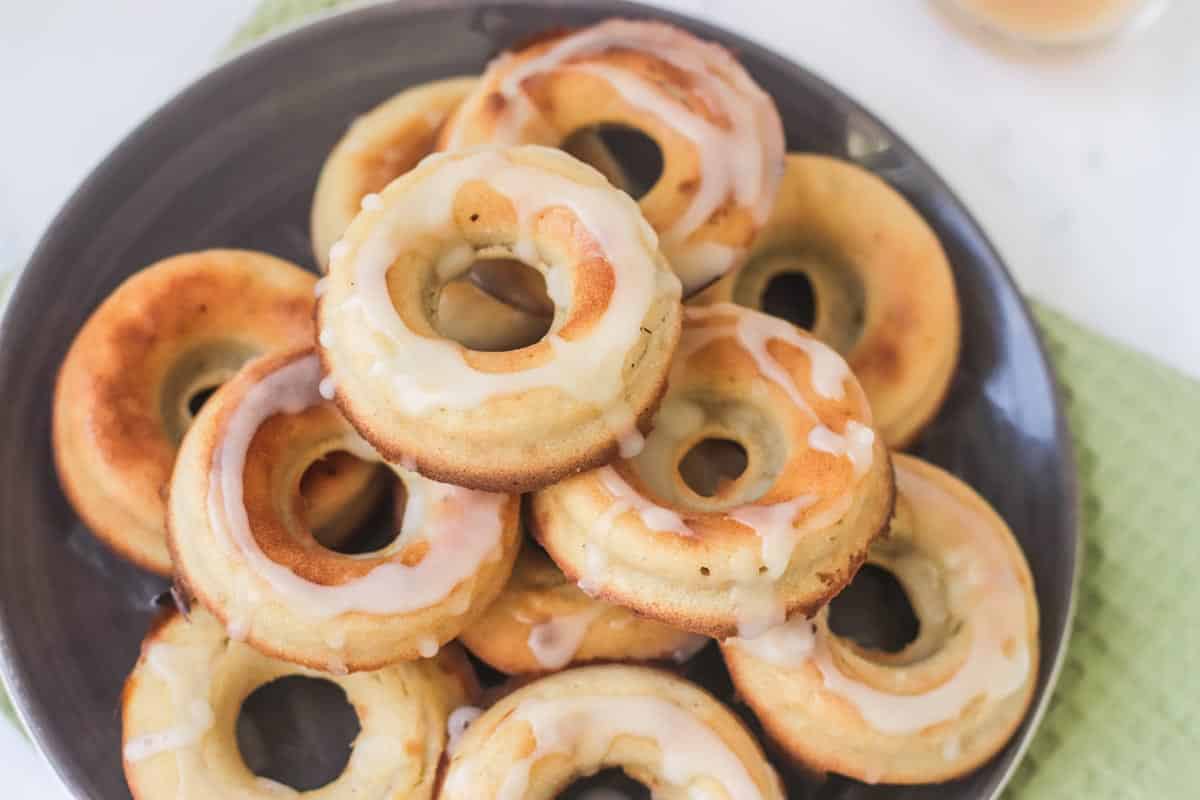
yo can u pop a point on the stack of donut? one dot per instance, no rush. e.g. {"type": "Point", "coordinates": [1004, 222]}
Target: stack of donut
{"type": "Point", "coordinates": [594, 473]}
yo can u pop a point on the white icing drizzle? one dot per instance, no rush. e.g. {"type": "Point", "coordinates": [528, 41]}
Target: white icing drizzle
{"type": "Point", "coordinates": [653, 516]}
{"type": "Point", "coordinates": [320, 287]}
{"type": "Point", "coordinates": [327, 387]}
{"type": "Point", "coordinates": [781, 525]}
{"type": "Point", "coordinates": [595, 560]}
{"type": "Point", "coordinates": [828, 371]}
{"type": "Point", "coordinates": [741, 161]}
{"type": "Point", "coordinates": [584, 728]}
{"type": "Point", "coordinates": [856, 444]}
{"type": "Point", "coordinates": [775, 526]}
{"type": "Point", "coordinates": [757, 606]}
{"type": "Point", "coordinates": [997, 615]}
{"type": "Point", "coordinates": [189, 691]}
{"type": "Point", "coordinates": [555, 642]}
{"type": "Point", "coordinates": [462, 527]}
{"type": "Point", "coordinates": [338, 250]}
{"type": "Point", "coordinates": [432, 373]}
{"type": "Point", "coordinates": [371, 202]}
{"type": "Point", "coordinates": [428, 647]}
{"type": "Point", "coordinates": [456, 726]}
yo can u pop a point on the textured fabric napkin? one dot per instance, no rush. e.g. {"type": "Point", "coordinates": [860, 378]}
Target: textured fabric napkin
{"type": "Point", "coordinates": [1124, 721]}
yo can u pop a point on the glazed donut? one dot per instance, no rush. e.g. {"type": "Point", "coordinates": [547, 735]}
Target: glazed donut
{"type": "Point", "coordinates": [379, 147]}
{"type": "Point", "coordinates": [719, 133]}
{"type": "Point", "coordinates": [121, 405]}
{"type": "Point", "coordinates": [502, 421]}
{"type": "Point", "coordinates": [241, 550]}
{"type": "Point", "coordinates": [952, 697]}
{"type": "Point", "coordinates": [882, 287]}
{"type": "Point", "coordinates": [181, 703]}
{"type": "Point", "coordinates": [661, 730]}
{"type": "Point", "coordinates": [783, 537]}
{"type": "Point", "coordinates": [542, 622]}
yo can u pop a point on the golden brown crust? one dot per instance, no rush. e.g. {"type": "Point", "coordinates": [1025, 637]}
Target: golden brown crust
{"type": "Point", "coordinates": [178, 326]}
{"type": "Point", "coordinates": [640, 536]}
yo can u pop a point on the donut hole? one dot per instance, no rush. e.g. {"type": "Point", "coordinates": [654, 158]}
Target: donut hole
{"type": "Point", "coordinates": [498, 305]}
{"type": "Point", "coordinates": [193, 378]}
{"type": "Point", "coordinates": [200, 397]}
{"type": "Point", "coordinates": [297, 731]}
{"type": "Point", "coordinates": [630, 159]}
{"type": "Point", "coordinates": [711, 464]}
{"type": "Point", "coordinates": [875, 612]}
{"type": "Point", "coordinates": [607, 784]}
{"type": "Point", "coordinates": [711, 451]}
{"type": "Point", "coordinates": [379, 528]}
{"type": "Point", "coordinates": [790, 296]}
{"type": "Point", "coordinates": [811, 288]}
{"type": "Point", "coordinates": [360, 509]}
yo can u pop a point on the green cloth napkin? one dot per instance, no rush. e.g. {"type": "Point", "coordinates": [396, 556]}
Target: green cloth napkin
{"type": "Point", "coordinates": [1124, 721]}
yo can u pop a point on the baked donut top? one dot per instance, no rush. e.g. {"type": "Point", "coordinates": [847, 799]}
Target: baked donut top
{"type": "Point", "coordinates": [984, 601]}
{"type": "Point", "coordinates": [695, 89]}
{"type": "Point", "coordinates": [805, 421]}
{"type": "Point", "coordinates": [446, 532]}
{"type": "Point", "coordinates": [602, 267]}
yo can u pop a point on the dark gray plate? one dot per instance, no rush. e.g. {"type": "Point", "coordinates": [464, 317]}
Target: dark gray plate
{"type": "Point", "coordinates": [232, 162]}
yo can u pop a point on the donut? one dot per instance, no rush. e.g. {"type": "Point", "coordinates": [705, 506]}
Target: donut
{"type": "Point", "coordinates": [542, 622]}
{"type": "Point", "coordinates": [243, 552]}
{"type": "Point", "coordinates": [719, 133]}
{"type": "Point", "coordinates": [951, 698]}
{"type": "Point", "coordinates": [122, 402]}
{"type": "Point", "coordinates": [380, 146]}
{"type": "Point", "coordinates": [661, 730]}
{"type": "Point", "coordinates": [181, 703]}
{"type": "Point", "coordinates": [882, 290]}
{"type": "Point", "coordinates": [500, 421]}
{"type": "Point", "coordinates": [782, 537]}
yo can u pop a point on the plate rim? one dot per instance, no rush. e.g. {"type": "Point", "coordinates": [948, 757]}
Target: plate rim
{"type": "Point", "coordinates": [285, 34]}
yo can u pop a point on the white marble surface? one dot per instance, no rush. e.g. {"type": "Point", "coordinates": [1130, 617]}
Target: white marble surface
{"type": "Point", "coordinates": [1080, 166]}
